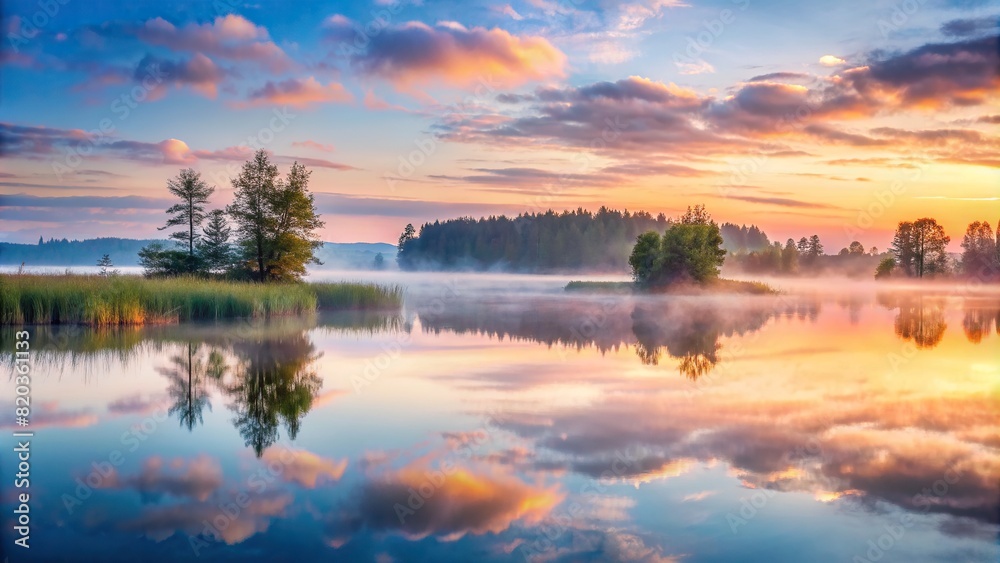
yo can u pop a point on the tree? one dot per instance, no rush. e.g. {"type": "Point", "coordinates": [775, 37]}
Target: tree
{"type": "Point", "coordinates": [803, 245]}
{"type": "Point", "coordinates": [979, 250]}
{"type": "Point", "coordinates": [644, 257]}
{"type": "Point", "coordinates": [106, 266]}
{"type": "Point", "coordinates": [885, 268]}
{"type": "Point", "coordinates": [689, 250]}
{"type": "Point", "coordinates": [275, 220]}
{"type": "Point", "coordinates": [923, 246]}
{"type": "Point", "coordinates": [815, 247]}
{"type": "Point", "coordinates": [856, 249]}
{"type": "Point", "coordinates": [406, 236]}
{"type": "Point", "coordinates": [214, 249]}
{"type": "Point", "coordinates": [789, 257]}
{"type": "Point", "coordinates": [40, 241]}
{"type": "Point", "coordinates": [378, 262]}
{"type": "Point", "coordinates": [190, 212]}
{"type": "Point", "coordinates": [696, 215]}
{"type": "Point", "coordinates": [157, 261]}
{"type": "Point", "coordinates": [903, 247]}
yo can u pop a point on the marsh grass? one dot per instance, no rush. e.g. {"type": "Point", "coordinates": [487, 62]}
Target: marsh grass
{"type": "Point", "coordinates": [131, 300]}
{"type": "Point", "coordinates": [360, 296]}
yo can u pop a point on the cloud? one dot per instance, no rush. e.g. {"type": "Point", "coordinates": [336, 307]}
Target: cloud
{"type": "Point", "coordinates": [461, 501]}
{"type": "Point", "coordinates": [373, 102]}
{"type": "Point", "coordinates": [830, 60]}
{"type": "Point", "coordinates": [297, 93]}
{"type": "Point", "coordinates": [514, 178]}
{"type": "Point", "coordinates": [136, 404]}
{"type": "Point", "coordinates": [48, 414]}
{"type": "Point", "coordinates": [350, 204]}
{"type": "Point", "coordinates": [634, 15]}
{"type": "Point", "coordinates": [199, 73]}
{"type": "Point", "coordinates": [196, 479]}
{"type": "Point", "coordinates": [314, 145]}
{"type": "Point", "coordinates": [161, 522]}
{"type": "Point", "coordinates": [784, 202]}
{"type": "Point", "coordinates": [779, 77]}
{"type": "Point", "coordinates": [231, 37]}
{"type": "Point", "coordinates": [304, 468]}
{"type": "Point", "coordinates": [508, 10]}
{"type": "Point", "coordinates": [414, 54]}
{"type": "Point", "coordinates": [930, 77]}
{"type": "Point", "coordinates": [767, 113]}
{"type": "Point", "coordinates": [633, 115]}
{"type": "Point", "coordinates": [49, 143]}
{"type": "Point", "coordinates": [970, 26]}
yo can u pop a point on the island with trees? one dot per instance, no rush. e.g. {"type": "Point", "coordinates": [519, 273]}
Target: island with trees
{"type": "Point", "coordinates": [247, 260]}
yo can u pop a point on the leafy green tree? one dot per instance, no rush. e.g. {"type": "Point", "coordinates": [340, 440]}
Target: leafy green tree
{"type": "Point", "coordinates": [856, 249]}
{"type": "Point", "coordinates": [979, 250]}
{"type": "Point", "coordinates": [645, 256]}
{"type": "Point", "coordinates": [696, 215]}
{"type": "Point", "coordinates": [690, 250]}
{"type": "Point", "coordinates": [156, 261]}
{"type": "Point", "coordinates": [190, 212]}
{"type": "Point", "coordinates": [275, 220]}
{"type": "Point", "coordinates": [214, 249]}
{"type": "Point", "coordinates": [885, 268]}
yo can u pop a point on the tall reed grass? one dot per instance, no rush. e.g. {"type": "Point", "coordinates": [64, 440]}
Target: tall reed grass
{"type": "Point", "coordinates": [131, 300]}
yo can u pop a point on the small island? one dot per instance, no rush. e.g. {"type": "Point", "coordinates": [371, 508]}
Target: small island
{"type": "Point", "coordinates": [247, 260]}
{"type": "Point", "coordinates": [686, 259]}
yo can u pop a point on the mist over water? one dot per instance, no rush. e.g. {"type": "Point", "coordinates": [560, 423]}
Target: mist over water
{"type": "Point", "coordinates": [499, 417]}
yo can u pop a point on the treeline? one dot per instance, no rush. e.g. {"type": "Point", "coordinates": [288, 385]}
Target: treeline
{"type": "Point", "coordinates": [920, 249]}
{"type": "Point", "coordinates": [742, 239]}
{"type": "Point", "coordinates": [63, 252]}
{"type": "Point", "coordinates": [569, 240]}
{"type": "Point", "coordinates": [808, 257]}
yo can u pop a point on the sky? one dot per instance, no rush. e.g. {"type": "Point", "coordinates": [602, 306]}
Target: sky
{"type": "Point", "coordinates": [839, 119]}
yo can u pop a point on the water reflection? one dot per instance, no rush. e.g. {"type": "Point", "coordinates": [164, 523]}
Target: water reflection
{"type": "Point", "coordinates": [686, 329]}
{"type": "Point", "coordinates": [274, 383]}
{"type": "Point", "coordinates": [691, 332]}
{"type": "Point", "coordinates": [189, 378]}
{"type": "Point", "coordinates": [980, 319]}
{"type": "Point", "coordinates": [811, 416]}
{"type": "Point", "coordinates": [920, 319]}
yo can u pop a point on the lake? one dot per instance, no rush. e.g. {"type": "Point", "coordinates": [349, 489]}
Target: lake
{"type": "Point", "coordinates": [498, 418]}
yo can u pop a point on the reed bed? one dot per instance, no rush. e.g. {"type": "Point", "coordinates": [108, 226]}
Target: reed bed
{"type": "Point", "coordinates": [361, 296]}
{"type": "Point", "coordinates": [132, 300]}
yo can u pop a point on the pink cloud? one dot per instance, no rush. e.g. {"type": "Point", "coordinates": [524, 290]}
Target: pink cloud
{"type": "Point", "coordinates": [297, 93]}
{"type": "Point", "coordinates": [314, 145]}
{"type": "Point", "coordinates": [229, 37]}
{"type": "Point", "coordinates": [415, 54]}
{"type": "Point", "coordinates": [304, 468]}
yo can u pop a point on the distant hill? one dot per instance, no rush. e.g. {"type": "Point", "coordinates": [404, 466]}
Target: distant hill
{"type": "Point", "coordinates": [124, 252]}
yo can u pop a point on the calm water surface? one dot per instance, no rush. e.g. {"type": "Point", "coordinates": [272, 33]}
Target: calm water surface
{"type": "Point", "coordinates": [498, 418]}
